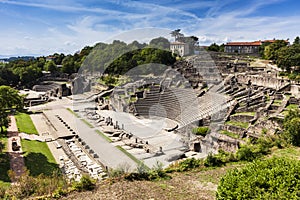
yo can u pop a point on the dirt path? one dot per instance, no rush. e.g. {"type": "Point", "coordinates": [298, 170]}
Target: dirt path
{"type": "Point", "coordinates": [17, 163]}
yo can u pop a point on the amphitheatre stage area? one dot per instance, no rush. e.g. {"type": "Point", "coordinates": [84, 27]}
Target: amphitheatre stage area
{"type": "Point", "coordinates": [151, 119]}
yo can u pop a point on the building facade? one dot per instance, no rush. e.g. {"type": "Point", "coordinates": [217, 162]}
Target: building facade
{"type": "Point", "coordinates": [246, 47]}
{"type": "Point", "coordinates": [180, 48]}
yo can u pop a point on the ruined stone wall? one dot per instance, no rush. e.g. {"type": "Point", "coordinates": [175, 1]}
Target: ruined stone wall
{"type": "Point", "coordinates": [270, 126]}
{"type": "Point", "coordinates": [234, 129]}
{"type": "Point", "coordinates": [262, 80]}
{"type": "Point", "coordinates": [251, 108]}
{"type": "Point", "coordinates": [295, 90]}
{"type": "Point", "coordinates": [241, 118]}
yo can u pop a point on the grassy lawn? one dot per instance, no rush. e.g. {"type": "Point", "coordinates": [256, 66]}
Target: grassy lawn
{"type": "Point", "coordinates": [289, 152]}
{"type": "Point", "coordinates": [238, 124]}
{"type": "Point", "coordinates": [129, 155]}
{"type": "Point", "coordinates": [38, 158]}
{"type": "Point", "coordinates": [230, 134]}
{"type": "Point", "coordinates": [285, 112]}
{"type": "Point", "coordinates": [87, 123]}
{"type": "Point", "coordinates": [25, 124]}
{"type": "Point", "coordinates": [103, 135]}
{"type": "Point", "coordinates": [74, 113]}
{"type": "Point", "coordinates": [245, 113]}
{"type": "Point", "coordinates": [277, 102]}
{"type": "Point", "coordinates": [292, 106]}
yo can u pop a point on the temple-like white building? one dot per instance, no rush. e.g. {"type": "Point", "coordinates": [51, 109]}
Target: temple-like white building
{"type": "Point", "coordinates": [180, 48]}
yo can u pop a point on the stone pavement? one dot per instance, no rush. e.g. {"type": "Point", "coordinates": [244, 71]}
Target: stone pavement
{"type": "Point", "coordinates": [17, 164]}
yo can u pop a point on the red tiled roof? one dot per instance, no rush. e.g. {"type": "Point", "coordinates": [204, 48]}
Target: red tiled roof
{"type": "Point", "coordinates": [255, 43]}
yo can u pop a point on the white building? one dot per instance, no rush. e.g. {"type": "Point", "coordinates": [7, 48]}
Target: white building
{"type": "Point", "coordinates": [180, 48]}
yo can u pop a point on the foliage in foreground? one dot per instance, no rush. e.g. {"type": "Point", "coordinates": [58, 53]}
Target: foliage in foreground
{"type": "Point", "coordinates": [275, 178]}
{"type": "Point", "coordinates": [142, 172]}
{"type": "Point", "coordinates": [247, 152]}
{"type": "Point", "coordinates": [44, 186]}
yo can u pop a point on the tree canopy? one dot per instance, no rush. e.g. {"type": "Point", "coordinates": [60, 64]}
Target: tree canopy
{"type": "Point", "coordinates": [216, 47]}
{"type": "Point", "coordinates": [9, 98]}
{"type": "Point", "coordinates": [140, 57]}
{"type": "Point", "coordinates": [160, 43]}
{"type": "Point", "coordinates": [270, 52]}
{"type": "Point", "coordinates": [119, 57]}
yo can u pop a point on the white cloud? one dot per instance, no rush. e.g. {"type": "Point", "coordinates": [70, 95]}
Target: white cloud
{"type": "Point", "coordinates": [89, 25]}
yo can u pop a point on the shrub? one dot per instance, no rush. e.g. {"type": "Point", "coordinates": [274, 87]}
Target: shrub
{"type": "Point", "coordinates": [142, 173]}
{"type": "Point", "coordinates": [190, 163]}
{"type": "Point", "coordinates": [213, 161]}
{"type": "Point", "coordinates": [185, 165]}
{"type": "Point", "coordinates": [85, 183]}
{"type": "Point", "coordinates": [157, 172]}
{"type": "Point", "coordinates": [202, 130]}
{"type": "Point", "coordinates": [120, 171]}
{"type": "Point", "coordinates": [245, 153]}
{"type": "Point", "coordinates": [59, 192]}
{"type": "Point", "coordinates": [275, 178]}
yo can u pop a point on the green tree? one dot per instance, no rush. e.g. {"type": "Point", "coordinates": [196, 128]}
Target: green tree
{"type": "Point", "coordinates": [68, 65]}
{"type": "Point", "coordinates": [288, 57]}
{"type": "Point", "coordinates": [28, 75]}
{"type": "Point", "coordinates": [213, 47]}
{"type": "Point", "coordinates": [9, 98]}
{"type": "Point", "coordinates": [51, 66]}
{"type": "Point", "coordinates": [160, 42]}
{"type": "Point", "coordinates": [7, 77]}
{"type": "Point", "coordinates": [291, 126]}
{"type": "Point", "coordinates": [297, 40]}
{"type": "Point", "coordinates": [271, 50]}
{"type": "Point", "coordinates": [176, 34]}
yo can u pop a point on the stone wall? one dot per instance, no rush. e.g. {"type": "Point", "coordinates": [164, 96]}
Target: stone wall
{"type": "Point", "coordinates": [241, 118]}
{"type": "Point", "coordinates": [251, 108]}
{"type": "Point", "coordinates": [262, 80]}
{"type": "Point", "coordinates": [238, 130]}
{"type": "Point", "coordinates": [295, 90]}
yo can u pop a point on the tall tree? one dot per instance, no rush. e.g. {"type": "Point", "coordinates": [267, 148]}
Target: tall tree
{"type": "Point", "coordinates": [297, 40]}
{"type": "Point", "coordinates": [9, 98]}
{"type": "Point", "coordinates": [51, 67]}
{"type": "Point", "coordinates": [176, 34]}
{"type": "Point", "coordinates": [270, 50]}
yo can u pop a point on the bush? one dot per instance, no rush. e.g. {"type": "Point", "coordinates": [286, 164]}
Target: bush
{"type": "Point", "coordinates": [275, 178]}
{"type": "Point", "coordinates": [121, 171]}
{"type": "Point", "coordinates": [59, 192]}
{"type": "Point", "coordinates": [185, 165]}
{"type": "Point", "coordinates": [190, 163]}
{"type": "Point", "coordinates": [85, 183]}
{"type": "Point", "coordinates": [157, 172]}
{"type": "Point", "coordinates": [245, 153]}
{"type": "Point", "coordinates": [213, 161]}
{"type": "Point", "coordinates": [144, 173]}
{"type": "Point", "coordinates": [202, 130]}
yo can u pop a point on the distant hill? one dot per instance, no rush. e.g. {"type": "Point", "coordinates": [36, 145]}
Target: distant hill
{"type": "Point", "coordinates": [25, 58]}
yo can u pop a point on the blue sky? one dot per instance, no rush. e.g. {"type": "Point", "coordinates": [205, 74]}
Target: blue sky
{"type": "Point", "coordinates": [43, 27]}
